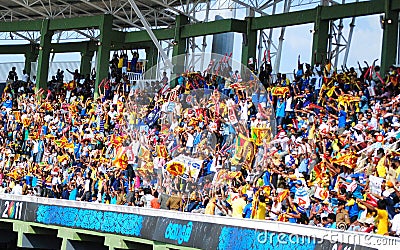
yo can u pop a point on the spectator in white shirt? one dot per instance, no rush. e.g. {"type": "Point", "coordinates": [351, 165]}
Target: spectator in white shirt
{"type": "Point", "coordinates": [395, 229]}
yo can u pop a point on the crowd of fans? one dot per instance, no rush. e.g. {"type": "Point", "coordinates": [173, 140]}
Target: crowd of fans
{"type": "Point", "coordinates": [317, 150]}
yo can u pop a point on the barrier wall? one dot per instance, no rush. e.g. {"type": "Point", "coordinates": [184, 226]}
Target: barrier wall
{"type": "Point", "coordinates": [185, 229]}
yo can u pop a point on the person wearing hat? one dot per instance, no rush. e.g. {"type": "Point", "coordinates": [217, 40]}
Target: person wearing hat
{"type": "Point", "coordinates": [248, 208]}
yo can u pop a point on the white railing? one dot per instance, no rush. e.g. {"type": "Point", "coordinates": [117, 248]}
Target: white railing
{"type": "Point", "coordinates": [364, 153]}
{"type": "Point", "coordinates": [134, 77]}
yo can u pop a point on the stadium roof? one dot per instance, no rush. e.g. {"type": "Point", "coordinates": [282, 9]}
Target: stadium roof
{"type": "Point", "coordinates": [157, 12]}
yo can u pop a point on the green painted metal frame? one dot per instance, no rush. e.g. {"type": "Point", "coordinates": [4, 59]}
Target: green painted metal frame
{"type": "Point", "coordinates": [103, 51]}
{"type": "Point", "coordinates": [390, 36]}
{"type": "Point", "coordinates": [180, 45]}
{"type": "Point", "coordinates": [44, 55]}
{"type": "Point", "coordinates": [320, 16]}
{"type": "Point", "coordinates": [320, 38]}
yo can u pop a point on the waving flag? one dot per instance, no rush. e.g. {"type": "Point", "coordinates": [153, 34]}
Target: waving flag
{"type": "Point", "coordinates": [244, 151]}
{"type": "Point", "coordinates": [121, 159]}
{"type": "Point", "coordinates": [348, 160]}
{"type": "Point", "coordinates": [61, 142]}
{"type": "Point", "coordinates": [291, 161]}
{"type": "Point", "coordinates": [259, 134]}
{"type": "Point", "coordinates": [237, 86]}
{"type": "Point", "coordinates": [282, 218]}
{"type": "Point", "coordinates": [26, 122]}
{"type": "Point", "coordinates": [277, 91]}
{"type": "Point", "coordinates": [116, 140]}
{"type": "Point", "coordinates": [282, 195]}
{"type": "Point", "coordinates": [176, 168]}
{"type": "Point", "coordinates": [144, 153]}
{"type": "Point", "coordinates": [319, 171]}
{"type": "Point", "coordinates": [62, 158]}
{"type": "Point", "coordinates": [321, 193]}
{"type": "Point", "coordinates": [17, 115]}
{"type": "Point", "coordinates": [162, 151]}
{"type": "Point", "coordinates": [153, 116]}
{"type": "Point", "coordinates": [34, 136]}
{"type": "Point", "coordinates": [47, 106]}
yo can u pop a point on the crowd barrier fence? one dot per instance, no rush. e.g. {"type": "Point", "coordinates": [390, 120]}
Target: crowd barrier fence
{"type": "Point", "coordinates": [185, 229]}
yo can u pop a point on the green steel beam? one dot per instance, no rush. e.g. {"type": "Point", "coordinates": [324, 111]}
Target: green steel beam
{"type": "Point", "coordinates": [390, 37]}
{"type": "Point", "coordinates": [86, 61]}
{"type": "Point", "coordinates": [116, 46]}
{"type": "Point", "coordinates": [282, 20]}
{"type": "Point", "coordinates": [31, 56]}
{"type": "Point", "coordinates": [214, 27]}
{"type": "Point", "coordinates": [118, 36]}
{"type": "Point", "coordinates": [249, 47]}
{"type": "Point", "coordinates": [179, 49]}
{"type": "Point", "coordinates": [54, 24]}
{"type": "Point", "coordinates": [352, 10]}
{"type": "Point", "coordinates": [73, 47]}
{"type": "Point", "coordinates": [151, 61]}
{"type": "Point", "coordinates": [54, 47]}
{"type": "Point", "coordinates": [75, 23]}
{"type": "Point", "coordinates": [103, 52]}
{"type": "Point", "coordinates": [143, 36]}
{"type": "Point", "coordinates": [33, 25]}
{"type": "Point", "coordinates": [44, 55]}
{"type": "Point", "coordinates": [327, 13]}
{"type": "Point", "coordinates": [15, 49]}
{"type": "Point", "coordinates": [320, 38]}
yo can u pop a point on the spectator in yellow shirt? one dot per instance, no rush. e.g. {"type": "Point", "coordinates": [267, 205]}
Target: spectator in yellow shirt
{"type": "Point", "coordinates": [238, 206]}
{"type": "Point", "coordinates": [261, 208]}
{"type": "Point", "coordinates": [382, 217]}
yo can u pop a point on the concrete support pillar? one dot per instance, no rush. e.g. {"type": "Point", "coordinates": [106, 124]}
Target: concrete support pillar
{"type": "Point", "coordinates": [180, 45]}
{"type": "Point", "coordinates": [249, 47]}
{"type": "Point", "coordinates": [77, 241]}
{"type": "Point", "coordinates": [114, 242]}
{"type": "Point", "coordinates": [35, 237]}
{"type": "Point", "coordinates": [320, 38]}
{"type": "Point", "coordinates": [159, 246]}
{"type": "Point", "coordinates": [86, 62]}
{"type": "Point", "coordinates": [30, 57]}
{"type": "Point", "coordinates": [390, 25]}
{"type": "Point", "coordinates": [8, 238]}
{"type": "Point", "coordinates": [44, 55]}
{"type": "Point", "coordinates": [103, 51]}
